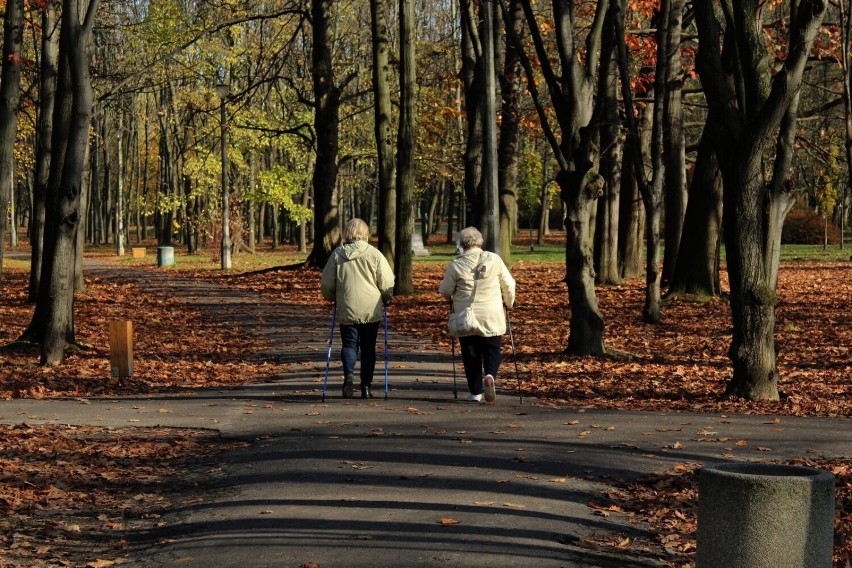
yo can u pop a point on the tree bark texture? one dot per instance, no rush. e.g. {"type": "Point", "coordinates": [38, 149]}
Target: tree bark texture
{"type": "Point", "coordinates": [326, 126]}
{"type": "Point", "coordinates": [473, 79]}
{"type": "Point", "coordinates": [509, 149]}
{"type": "Point", "coordinates": [697, 267]}
{"type": "Point", "coordinates": [744, 121]}
{"type": "Point", "coordinates": [406, 139]}
{"type": "Point", "coordinates": [673, 143]}
{"type": "Point", "coordinates": [10, 94]}
{"type": "Point", "coordinates": [384, 136]}
{"type": "Point", "coordinates": [606, 228]}
{"type": "Point", "coordinates": [53, 319]}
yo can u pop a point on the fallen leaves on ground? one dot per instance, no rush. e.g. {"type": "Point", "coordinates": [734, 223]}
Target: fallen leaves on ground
{"type": "Point", "coordinates": [67, 489]}
{"type": "Point", "coordinates": [680, 364]}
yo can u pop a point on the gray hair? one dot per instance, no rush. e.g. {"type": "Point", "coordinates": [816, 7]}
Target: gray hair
{"type": "Point", "coordinates": [470, 237]}
{"type": "Point", "coordinates": [356, 230]}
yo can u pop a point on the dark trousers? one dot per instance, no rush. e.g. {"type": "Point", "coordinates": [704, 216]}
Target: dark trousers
{"type": "Point", "coordinates": [481, 356]}
{"type": "Point", "coordinates": [359, 336]}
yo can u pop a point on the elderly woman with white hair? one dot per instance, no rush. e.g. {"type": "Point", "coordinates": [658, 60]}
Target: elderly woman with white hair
{"type": "Point", "coordinates": [478, 285]}
{"type": "Point", "coordinates": [359, 280]}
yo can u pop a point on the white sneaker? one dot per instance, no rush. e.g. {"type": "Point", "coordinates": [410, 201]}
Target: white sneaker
{"type": "Point", "coordinates": [474, 398]}
{"type": "Point", "coordinates": [489, 388]}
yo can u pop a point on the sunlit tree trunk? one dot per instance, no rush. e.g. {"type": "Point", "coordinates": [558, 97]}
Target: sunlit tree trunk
{"type": "Point", "coordinates": [509, 149]}
{"type": "Point", "coordinates": [749, 105]}
{"type": "Point", "coordinates": [406, 139]}
{"type": "Point", "coordinates": [383, 131]}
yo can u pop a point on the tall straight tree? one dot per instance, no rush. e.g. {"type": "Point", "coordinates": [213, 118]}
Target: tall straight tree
{"type": "Point", "coordinates": [674, 150]}
{"type": "Point", "coordinates": [48, 70]}
{"type": "Point", "coordinates": [10, 95]}
{"type": "Point", "coordinates": [53, 320]}
{"type": "Point", "coordinates": [509, 149]}
{"type": "Point", "coordinates": [406, 139]}
{"type": "Point", "coordinates": [326, 128]}
{"type": "Point", "coordinates": [383, 131]}
{"type": "Point", "coordinates": [473, 80]}
{"type": "Point", "coordinates": [750, 110]}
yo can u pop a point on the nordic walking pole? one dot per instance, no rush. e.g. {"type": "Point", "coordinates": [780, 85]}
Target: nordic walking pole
{"type": "Point", "coordinates": [453, 343]}
{"type": "Point", "coordinates": [328, 357]}
{"type": "Point", "coordinates": [386, 351]}
{"type": "Point", "coordinates": [514, 356]}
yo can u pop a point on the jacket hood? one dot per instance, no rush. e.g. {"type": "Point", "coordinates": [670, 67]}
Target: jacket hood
{"type": "Point", "coordinates": [485, 263]}
{"type": "Point", "coordinates": [352, 250]}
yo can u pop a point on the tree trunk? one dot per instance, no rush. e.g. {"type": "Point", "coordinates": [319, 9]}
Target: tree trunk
{"type": "Point", "coordinates": [326, 125]}
{"type": "Point", "coordinates": [53, 319]}
{"type": "Point", "coordinates": [384, 137]}
{"type": "Point", "coordinates": [405, 150]}
{"type": "Point", "coordinates": [473, 79]}
{"type": "Point", "coordinates": [606, 228]}
{"type": "Point", "coordinates": [743, 124]}
{"type": "Point", "coordinates": [509, 150]}
{"type": "Point", "coordinates": [586, 324]}
{"type": "Point", "coordinates": [10, 94]}
{"type": "Point", "coordinates": [697, 267]}
{"type": "Point", "coordinates": [674, 150]}
{"type": "Point", "coordinates": [47, 96]}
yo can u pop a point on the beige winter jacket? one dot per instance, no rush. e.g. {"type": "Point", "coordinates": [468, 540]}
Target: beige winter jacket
{"type": "Point", "coordinates": [495, 288]}
{"type": "Point", "coordinates": [358, 279]}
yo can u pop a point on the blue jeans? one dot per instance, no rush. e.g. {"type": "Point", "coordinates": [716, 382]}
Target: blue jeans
{"type": "Point", "coordinates": [363, 336]}
{"type": "Point", "coordinates": [481, 356]}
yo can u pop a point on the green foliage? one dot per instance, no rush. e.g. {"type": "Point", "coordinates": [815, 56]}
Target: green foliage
{"type": "Point", "coordinates": [279, 184]}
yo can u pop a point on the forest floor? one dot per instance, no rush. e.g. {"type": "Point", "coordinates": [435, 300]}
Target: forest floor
{"type": "Point", "coordinates": [678, 365]}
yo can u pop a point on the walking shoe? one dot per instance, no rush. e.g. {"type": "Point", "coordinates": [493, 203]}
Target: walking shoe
{"type": "Point", "coordinates": [347, 386]}
{"type": "Point", "coordinates": [365, 391]}
{"type": "Point", "coordinates": [489, 388]}
{"type": "Point", "coordinates": [474, 398]}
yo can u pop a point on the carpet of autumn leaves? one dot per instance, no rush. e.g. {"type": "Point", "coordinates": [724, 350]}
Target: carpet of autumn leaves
{"type": "Point", "coordinates": [680, 364]}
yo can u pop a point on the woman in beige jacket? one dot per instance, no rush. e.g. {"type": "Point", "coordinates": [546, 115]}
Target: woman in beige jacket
{"type": "Point", "coordinates": [480, 279]}
{"type": "Point", "coordinates": [359, 280]}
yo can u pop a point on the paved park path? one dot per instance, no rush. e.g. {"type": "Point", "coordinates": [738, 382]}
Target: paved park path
{"type": "Point", "coordinates": [355, 483]}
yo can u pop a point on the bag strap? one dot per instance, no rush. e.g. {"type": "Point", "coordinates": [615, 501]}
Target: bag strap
{"type": "Point", "coordinates": [475, 270]}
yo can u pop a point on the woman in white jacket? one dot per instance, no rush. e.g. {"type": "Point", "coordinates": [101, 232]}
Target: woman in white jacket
{"type": "Point", "coordinates": [358, 279]}
{"type": "Point", "coordinates": [480, 280]}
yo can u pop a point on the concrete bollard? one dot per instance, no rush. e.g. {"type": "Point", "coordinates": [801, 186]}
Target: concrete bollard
{"type": "Point", "coordinates": [165, 256]}
{"type": "Point", "coordinates": [755, 515]}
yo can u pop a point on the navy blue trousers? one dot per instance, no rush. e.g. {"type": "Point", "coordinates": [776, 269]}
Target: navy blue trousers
{"type": "Point", "coordinates": [359, 336]}
{"type": "Point", "coordinates": [481, 356]}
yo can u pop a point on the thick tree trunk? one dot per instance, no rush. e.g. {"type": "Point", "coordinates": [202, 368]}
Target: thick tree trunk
{"type": "Point", "coordinates": [10, 94]}
{"type": "Point", "coordinates": [406, 139]}
{"type": "Point", "coordinates": [744, 123]}
{"type": "Point", "coordinates": [47, 96]}
{"type": "Point", "coordinates": [586, 325]}
{"type": "Point", "coordinates": [509, 149]}
{"type": "Point", "coordinates": [384, 137]}
{"type": "Point", "coordinates": [53, 320]}
{"type": "Point", "coordinates": [752, 350]}
{"type": "Point", "coordinates": [697, 267]}
{"type": "Point", "coordinates": [326, 126]}
{"type": "Point", "coordinates": [473, 79]}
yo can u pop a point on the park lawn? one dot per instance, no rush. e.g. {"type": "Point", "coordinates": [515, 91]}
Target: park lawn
{"type": "Point", "coordinates": [679, 365]}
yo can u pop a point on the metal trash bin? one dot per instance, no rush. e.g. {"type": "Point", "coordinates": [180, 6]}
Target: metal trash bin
{"type": "Point", "coordinates": [165, 256]}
